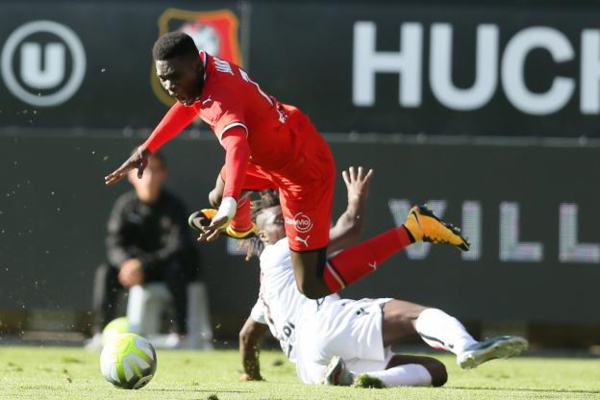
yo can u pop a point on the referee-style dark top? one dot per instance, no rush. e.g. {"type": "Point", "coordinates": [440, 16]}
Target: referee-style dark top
{"type": "Point", "coordinates": [155, 233]}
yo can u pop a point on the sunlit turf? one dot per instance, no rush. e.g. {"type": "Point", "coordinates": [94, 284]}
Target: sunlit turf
{"type": "Point", "coordinates": [73, 373]}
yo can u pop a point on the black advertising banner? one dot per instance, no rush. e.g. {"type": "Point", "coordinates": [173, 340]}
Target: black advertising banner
{"type": "Point", "coordinates": [530, 213]}
{"type": "Point", "coordinates": [452, 70]}
{"type": "Point", "coordinates": [365, 67]}
{"type": "Point", "coordinates": [89, 65]}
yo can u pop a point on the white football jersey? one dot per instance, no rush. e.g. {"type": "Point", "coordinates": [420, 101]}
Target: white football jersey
{"type": "Point", "coordinates": [280, 303]}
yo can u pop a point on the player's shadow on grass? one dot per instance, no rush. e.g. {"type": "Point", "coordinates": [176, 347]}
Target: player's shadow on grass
{"type": "Point", "coordinates": [212, 391]}
{"type": "Point", "coordinates": [574, 391]}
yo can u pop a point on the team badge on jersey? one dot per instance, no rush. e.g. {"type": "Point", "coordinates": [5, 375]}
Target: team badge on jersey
{"type": "Point", "coordinates": [215, 32]}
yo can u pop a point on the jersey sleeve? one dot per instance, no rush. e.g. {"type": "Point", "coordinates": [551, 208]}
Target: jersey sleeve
{"type": "Point", "coordinates": [174, 121]}
{"type": "Point", "coordinates": [118, 246]}
{"type": "Point", "coordinates": [237, 154]}
{"type": "Point", "coordinates": [226, 112]}
{"type": "Point", "coordinates": [231, 118]}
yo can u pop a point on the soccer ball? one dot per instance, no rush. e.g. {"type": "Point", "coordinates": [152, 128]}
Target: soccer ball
{"type": "Point", "coordinates": [128, 361]}
{"type": "Point", "coordinates": [113, 328]}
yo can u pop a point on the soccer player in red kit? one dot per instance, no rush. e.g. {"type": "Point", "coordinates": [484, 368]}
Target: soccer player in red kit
{"type": "Point", "coordinates": [269, 144]}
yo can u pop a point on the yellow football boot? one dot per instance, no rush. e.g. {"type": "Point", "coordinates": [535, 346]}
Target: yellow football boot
{"type": "Point", "coordinates": [425, 226]}
{"type": "Point", "coordinates": [205, 216]}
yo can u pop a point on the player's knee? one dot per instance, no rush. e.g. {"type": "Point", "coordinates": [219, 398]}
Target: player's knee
{"type": "Point", "coordinates": [308, 290]}
{"type": "Point", "coordinates": [312, 289]}
{"type": "Point", "coordinates": [437, 370]}
{"type": "Point", "coordinates": [244, 336]}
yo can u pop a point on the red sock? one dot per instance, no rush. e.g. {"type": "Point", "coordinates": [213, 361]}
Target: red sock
{"type": "Point", "coordinates": [242, 222]}
{"type": "Point", "coordinates": [353, 263]}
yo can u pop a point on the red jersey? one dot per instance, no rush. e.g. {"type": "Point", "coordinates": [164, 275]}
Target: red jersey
{"type": "Point", "coordinates": [270, 143]}
{"type": "Point", "coordinates": [231, 99]}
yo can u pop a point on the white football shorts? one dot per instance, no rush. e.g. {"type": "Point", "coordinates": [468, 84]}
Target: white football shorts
{"type": "Point", "coordinates": [351, 329]}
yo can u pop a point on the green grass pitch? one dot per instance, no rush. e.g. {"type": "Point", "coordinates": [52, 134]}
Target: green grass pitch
{"type": "Point", "coordinates": [72, 373]}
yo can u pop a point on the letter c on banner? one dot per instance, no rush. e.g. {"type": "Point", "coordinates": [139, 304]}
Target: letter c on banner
{"type": "Point", "coordinates": [513, 62]}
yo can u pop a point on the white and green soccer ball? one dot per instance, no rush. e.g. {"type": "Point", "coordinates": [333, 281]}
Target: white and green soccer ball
{"type": "Point", "coordinates": [128, 361]}
{"type": "Point", "coordinates": [114, 328]}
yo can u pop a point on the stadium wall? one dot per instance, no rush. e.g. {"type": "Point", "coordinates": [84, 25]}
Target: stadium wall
{"type": "Point", "coordinates": [489, 114]}
{"type": "Point", "coordinates": [529, 211]}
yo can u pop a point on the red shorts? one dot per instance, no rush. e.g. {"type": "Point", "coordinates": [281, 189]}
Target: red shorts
{"type": "Point", "coordinates": [306, 196]}
{"type": "Point", "coordinates": [305, 187]}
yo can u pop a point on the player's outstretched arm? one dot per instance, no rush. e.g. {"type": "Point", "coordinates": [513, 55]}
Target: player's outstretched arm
{"type": "Point", "coordinates": [348, 227]}
{"type": "Point", "coordinates": [139, 160]}
{"type": "Point", "coordinates": [251, 337]}
{"type": "Point", "coordinates": [174, 121]}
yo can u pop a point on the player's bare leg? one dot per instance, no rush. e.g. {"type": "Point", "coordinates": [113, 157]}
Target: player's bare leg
{"type": "Point", "coordinates": [399, 321]}
{"type": "Point", "coordinates": [308, 271]}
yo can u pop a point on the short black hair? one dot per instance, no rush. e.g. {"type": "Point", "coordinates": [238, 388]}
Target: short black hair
{"type": "Point", "coordinates": [253, 245]}
{"type": "Point", "coordinates": [268, 198]}
{"type": "Point", "coordinates": [173, 44]}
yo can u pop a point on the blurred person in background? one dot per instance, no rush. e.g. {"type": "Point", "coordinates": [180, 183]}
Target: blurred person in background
{"type": "Point", "coordinates": [148, 240]}
{"type": "Point", "coordinates": [268, 144]}
{"type": "Point", "coordinates": [336, 341]}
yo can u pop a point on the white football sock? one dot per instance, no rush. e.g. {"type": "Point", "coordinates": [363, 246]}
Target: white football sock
{"type": "Point", "coordinates": [403, 375]}
{"type": "Point", "coordinates": [442, 331]}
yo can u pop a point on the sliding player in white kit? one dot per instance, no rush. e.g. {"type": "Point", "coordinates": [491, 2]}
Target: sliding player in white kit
{"type": "Point", "coordinates": [338, 341]}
